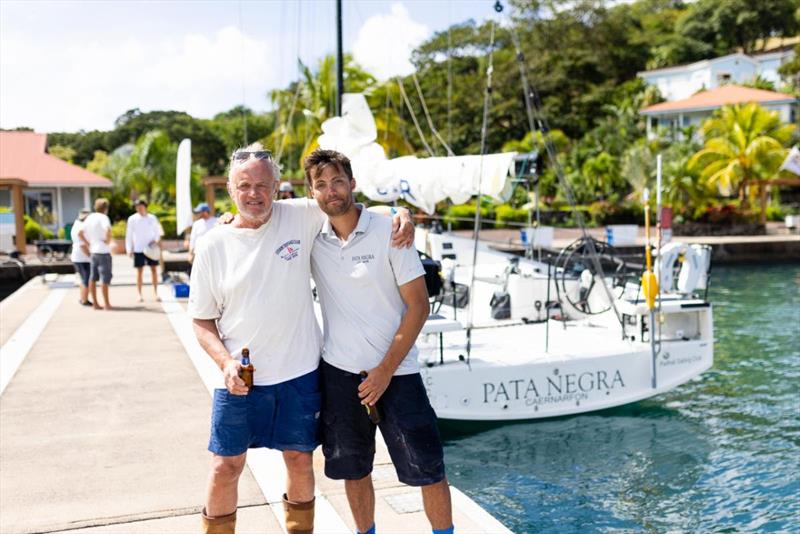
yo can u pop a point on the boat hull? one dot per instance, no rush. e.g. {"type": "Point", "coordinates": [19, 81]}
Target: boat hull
{"type": "Point", "coordinates": [551, 387]}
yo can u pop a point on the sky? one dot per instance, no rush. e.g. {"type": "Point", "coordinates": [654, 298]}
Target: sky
{"type": "Point", "coordinates": [67, 66]}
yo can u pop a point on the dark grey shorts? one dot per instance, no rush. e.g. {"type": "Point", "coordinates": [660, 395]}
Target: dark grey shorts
{"type": "Point", "coordinates": [82, 269]}
{"type": "Point", "coordinates": [101, 268]}
{"type": "Point", "coordinates": [408, 425]}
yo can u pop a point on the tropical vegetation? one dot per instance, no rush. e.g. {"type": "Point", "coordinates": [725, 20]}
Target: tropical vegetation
{"type": "Point", "coordinates": [581, 57]}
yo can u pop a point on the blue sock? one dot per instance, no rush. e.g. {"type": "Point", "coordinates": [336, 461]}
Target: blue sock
{"type": "Point", "coordinates": [370, 530]}
{"type": "Point", "coordinates": [444, 531]}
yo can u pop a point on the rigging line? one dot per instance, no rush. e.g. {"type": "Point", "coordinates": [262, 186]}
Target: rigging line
{"type": "Point", "coordinates": [487, 98]}
{"type": "Point", "coordinates": [428, 115]}
{"type": "Point", "coordinates": [241, 41]}
{"type": "Point", "coordinates": [414, 117]}
{"type": "Point", "coordinates": [536, 116]}
{"type": "Point", "coordinates": [449, 76]}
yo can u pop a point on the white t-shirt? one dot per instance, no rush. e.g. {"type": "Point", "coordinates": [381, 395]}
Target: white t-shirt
{"type": "Point", "coordinates": [95, 228]}
{"type": "Point", "coordinates": [199, 229]}
{"type": "Point", "coordinates": [256, 284]}
{"type": "Point", "coordinates": [77, 255]}
{"type": "Point", "coordinates": [141, 231]}
{"type": "Point", "coordinates": [358, 283]}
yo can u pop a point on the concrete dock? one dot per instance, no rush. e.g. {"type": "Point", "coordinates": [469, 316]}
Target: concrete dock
{"type": "Point", "coordinates": [104, 419]}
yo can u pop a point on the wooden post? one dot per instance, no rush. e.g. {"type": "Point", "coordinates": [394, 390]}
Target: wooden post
{"type": "Point", "coordinates": [19, 211]}
{"type": "Point", "coordinates": [210, 197]}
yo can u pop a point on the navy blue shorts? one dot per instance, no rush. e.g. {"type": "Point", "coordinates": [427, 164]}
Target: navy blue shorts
{"type": "Point", "coordinates": [408, 426]}
{"type": "Point", "coordinates": [139, 260]}
{"type": "Point", "coordinates": [283, 416]}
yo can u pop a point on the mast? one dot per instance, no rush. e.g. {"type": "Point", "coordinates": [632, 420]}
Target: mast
{"type": "Point", "coordinates": [339, 59]}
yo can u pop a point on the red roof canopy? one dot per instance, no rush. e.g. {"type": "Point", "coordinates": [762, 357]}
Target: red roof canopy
{"type": "Point", "coordinates": [715, 98]}
{"type": "Point", "coordinates": [22, 155]}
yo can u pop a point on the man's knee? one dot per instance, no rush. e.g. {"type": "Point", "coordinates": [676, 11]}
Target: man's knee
{"type": "Point", "coordinates": [298, 461]}
{"type": "Point", "coordinates": [227, 468]}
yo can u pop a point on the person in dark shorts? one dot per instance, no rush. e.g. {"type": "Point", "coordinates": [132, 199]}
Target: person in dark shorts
{"type": "Point", "coordinates": [374, 303]}
{"type": "Point", "coordinates": [81, 257]}
{"type": "Point", "coordinates": [142, 237]}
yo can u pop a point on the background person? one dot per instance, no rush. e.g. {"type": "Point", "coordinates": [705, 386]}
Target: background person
{"type": "Point", "coordinates": [80, 256]}
{"type": "Point", "coordinates": [143, 232]}
{"type": "Point", "coordinates": [286, 191]}
{"type": "Point", "coordinates": [96, 230]}
{"type": "Point", "coordinates": [374, 290]}
{"type": "Point", "coordinates": [204, 222]}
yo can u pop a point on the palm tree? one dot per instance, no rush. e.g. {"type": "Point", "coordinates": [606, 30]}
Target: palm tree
{"type": "Point", "coordinates": [744, 147]}
{"type": "Point", "coordinates": [310, 101]}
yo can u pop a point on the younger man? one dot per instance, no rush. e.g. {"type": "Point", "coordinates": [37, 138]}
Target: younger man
{"type": "Point", "coordinates": [142, 232]}
{"type": "Point", "coordinates": [374, 304]}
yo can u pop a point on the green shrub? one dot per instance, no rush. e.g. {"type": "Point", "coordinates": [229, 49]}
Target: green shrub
{"type": "Point", "coordinates": [464, 211]}
{"type": "Point", "coordinates": [118, 230]}
{"type": "Point", "coordinates": [169, 223]}
{"type": "Point", "coordinates": [505, 214]}
{"type": "Point", "coordinates": [775, 213]}
{"type": "Point", "coordinates": [603, 213]}
{"type": "Point", "coordinates": [34, 230]}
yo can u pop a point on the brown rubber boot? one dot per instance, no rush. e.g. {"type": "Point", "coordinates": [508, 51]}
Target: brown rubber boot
{"type": "Point", "coordinates": [299, 516]}
{"type": "Point", "coordinates": [224, 524]}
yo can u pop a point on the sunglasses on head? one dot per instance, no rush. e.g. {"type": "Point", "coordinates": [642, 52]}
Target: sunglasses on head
{"type": "Point", "coordinates": [244, 155]}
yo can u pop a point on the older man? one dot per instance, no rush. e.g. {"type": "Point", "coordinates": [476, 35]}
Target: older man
{"type": "Point", "coordinates": [250, 289]}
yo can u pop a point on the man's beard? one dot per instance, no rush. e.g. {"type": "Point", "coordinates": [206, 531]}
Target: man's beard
{"type": "Point", "coordinates": [336, 210]}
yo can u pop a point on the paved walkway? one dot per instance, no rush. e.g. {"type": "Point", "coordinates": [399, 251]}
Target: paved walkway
{"type": "Point", "coordinates": [104, 424]}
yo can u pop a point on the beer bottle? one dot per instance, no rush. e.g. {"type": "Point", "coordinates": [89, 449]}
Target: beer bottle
{"type": "Point", "coordinates": [246, 372]}
{"type": "Point", "coordinates": [372, 411]}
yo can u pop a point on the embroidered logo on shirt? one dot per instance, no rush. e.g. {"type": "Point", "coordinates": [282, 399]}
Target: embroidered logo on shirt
{"type": "Point", "coordinates": [364, 258]}
{"type": "Point", "coordinates": [289, 250]}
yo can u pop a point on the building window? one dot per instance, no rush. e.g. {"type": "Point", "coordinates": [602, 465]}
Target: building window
{"type": "Point", "coordinates": [723, 78]}
{"type": "Point", "coordinates": [39, 206]}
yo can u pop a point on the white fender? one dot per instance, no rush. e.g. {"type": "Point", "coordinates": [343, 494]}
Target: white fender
{"type": "Point", "coordinates": [691, 270]}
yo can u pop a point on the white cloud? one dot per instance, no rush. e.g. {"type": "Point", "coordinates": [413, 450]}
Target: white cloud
{"type": "Point", "coordinates": [86, 85]}
{"type": "Point", "coordinates": [385, 42]}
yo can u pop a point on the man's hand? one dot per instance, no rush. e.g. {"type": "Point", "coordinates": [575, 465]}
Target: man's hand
{"type": "Point", "coordinates": [226, 218]}
{"type": "Point", "coordinates": [232, 380]}
{"type": "Point", "coordinates": [402, 229]}
{"type": "Point", "coordinates": [371, 389]}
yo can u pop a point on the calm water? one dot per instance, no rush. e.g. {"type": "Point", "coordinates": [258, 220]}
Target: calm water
{"type": "Point", "coordinates": [720, 454]}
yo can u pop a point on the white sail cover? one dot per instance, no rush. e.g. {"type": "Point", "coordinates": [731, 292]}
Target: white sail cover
{"type": "Point", "coordinates": [183, 190]}
{"type": "Point", "coordinates": [420, 181]}
{"type": "Point", "coordinates": [792, 161]}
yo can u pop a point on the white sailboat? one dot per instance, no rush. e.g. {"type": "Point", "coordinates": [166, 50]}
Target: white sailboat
{"type": "Point", "coordinates": [535, 339]}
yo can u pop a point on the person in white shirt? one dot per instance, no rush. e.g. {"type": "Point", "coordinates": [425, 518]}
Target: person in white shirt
{"type": "Point", "coordinates": [143, 234]}
{"type": "Point", "coordinates": [374, 304]}
{"type": "Point", "coordinates": [205, 222]}
{"type": "Point", "coordinates": [250, 289]}
{"type": "Point", "coordinates": [96, 231]}
{"type": "Point", "coordinates": [80, 257]}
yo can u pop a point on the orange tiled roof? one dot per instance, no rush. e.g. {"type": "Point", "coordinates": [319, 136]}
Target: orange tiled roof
{"type": "Point", "coordinates": [714, 98]}
{"type": "Point", "coordinates": [22, 155]}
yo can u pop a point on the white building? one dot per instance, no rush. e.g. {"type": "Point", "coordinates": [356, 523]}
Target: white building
{"type": "Point", "coordinates": [694, 110]}
{"type": "Point", "coordinates": [682, 81]}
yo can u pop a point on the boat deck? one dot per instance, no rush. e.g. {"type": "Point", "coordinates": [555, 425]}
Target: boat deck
{"type": "Point", "coordinates": [104, 424]}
